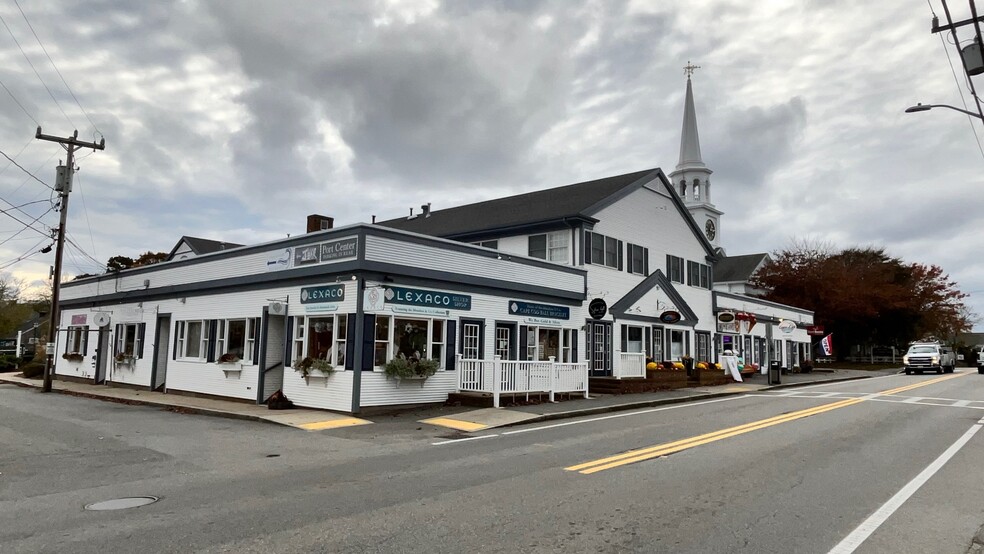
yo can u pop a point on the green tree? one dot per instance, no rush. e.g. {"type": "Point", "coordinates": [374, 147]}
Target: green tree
{"type": "Point", "coordinates": [13, 312]}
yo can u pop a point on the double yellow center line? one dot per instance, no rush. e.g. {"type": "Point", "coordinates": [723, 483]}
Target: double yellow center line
{"type": "Point", "coordinates": [658, 450]}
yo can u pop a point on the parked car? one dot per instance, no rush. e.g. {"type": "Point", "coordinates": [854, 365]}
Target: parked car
{"type": "Point", "coordinates": [929, 356]}
{"type": "Point", "coordinates": [979, 358]}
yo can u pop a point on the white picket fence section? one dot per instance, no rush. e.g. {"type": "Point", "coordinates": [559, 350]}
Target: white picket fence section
{"type": "Point", "coordinates": [630, 364]}
{"type": "Point", "coordinates": [499, 377]}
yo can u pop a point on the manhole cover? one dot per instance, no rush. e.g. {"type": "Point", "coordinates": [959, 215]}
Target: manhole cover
{"type": "Point", "coordinates": [122, 503]}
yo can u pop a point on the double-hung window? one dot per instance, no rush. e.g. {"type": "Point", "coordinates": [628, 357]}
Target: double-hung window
{"type": "Point", "coordinates": [409, 338]}
{"type": "Point", "coordinates": [129, 340]}
{"type": "Point", "coordinates": [77, 340]}
{"type": "Point", "coordinates": [192, 341]}
{"type": "Point", "coordinates": [638, 259]}
{"type": "Point", "coordinates": [674, 268]}
{"type": "Point", "coordinates": [321, 338]}
{"type": "Point", "coordinates": [552, 246]}
{"type": "Point", "coordinates": [235, 339]}
{"type": "Point", "coordinates": [698, 275]}
{"type": "Point", "coordinates": [603, 250]}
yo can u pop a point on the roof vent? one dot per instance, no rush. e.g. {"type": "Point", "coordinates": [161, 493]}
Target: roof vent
{"type": "Point", "coordinates": [411, 216]}
{"type": "Point", "coordinates": [425, 209]}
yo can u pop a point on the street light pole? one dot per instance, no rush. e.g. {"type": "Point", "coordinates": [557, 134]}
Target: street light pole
{"type": "Point", "coordinates": [926, 107]}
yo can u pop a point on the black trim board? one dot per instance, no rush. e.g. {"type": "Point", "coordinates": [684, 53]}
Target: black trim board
{"type": "Point", "coordinates": [656, 278]}
{"type": "Point", "coordinates": [755, 300]}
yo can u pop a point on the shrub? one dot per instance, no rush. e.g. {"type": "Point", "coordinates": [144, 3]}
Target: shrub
{"type": "Point", "coordinates": [7, 363]}
{"type": "Point", "coordinates": [404, 368]}
{"type": "Point", "coordinates": [33, 370]}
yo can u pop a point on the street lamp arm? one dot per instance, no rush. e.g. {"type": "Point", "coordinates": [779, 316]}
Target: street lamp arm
{"type": "Point", "coordinates": [927, 107]}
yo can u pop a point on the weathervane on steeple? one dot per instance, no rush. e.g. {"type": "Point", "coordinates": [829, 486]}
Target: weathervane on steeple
{"type": "Point", "coordinates": [689, 69]}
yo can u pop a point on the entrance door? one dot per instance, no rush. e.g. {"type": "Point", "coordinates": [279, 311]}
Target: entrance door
{"type": "Point", "coordinates": [162, 338]}
{"type": "Point", "coordinates": [505, 341]}
{"type": "Point", "coordinates": [102, 356]}
{"type": "Point", "coordinates": [600, 347]}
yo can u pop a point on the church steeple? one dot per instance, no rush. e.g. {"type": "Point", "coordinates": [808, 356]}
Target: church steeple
{"type": "Point", "coordinates": [691, 178]}
{"type": "Point", "coordinates": [689, 139]}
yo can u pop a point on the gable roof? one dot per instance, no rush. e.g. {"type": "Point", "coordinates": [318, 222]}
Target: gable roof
{"type": "Point", "coordinates": [556, 204]}
{"type": "Point", "coordinates": [738, 268]}
{"type": "Point", "coordinates": [201, 246]}
{"type": "Point", "coordinates": [579, 201]}
{"type": "Point", "coordinates": [655, 279]}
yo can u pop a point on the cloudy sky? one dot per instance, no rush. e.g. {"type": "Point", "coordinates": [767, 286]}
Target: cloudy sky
{"type": "Point", "coordinates": [234, 120]}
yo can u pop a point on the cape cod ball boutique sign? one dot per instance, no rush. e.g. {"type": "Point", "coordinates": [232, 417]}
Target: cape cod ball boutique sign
{"type": "Point", "coordinates": [541, 311]}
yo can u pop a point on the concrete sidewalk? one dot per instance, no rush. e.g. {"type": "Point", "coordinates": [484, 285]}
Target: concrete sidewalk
{"type": "Point", "coordinates": [309, 420]}
{"type": "Point", "coordinates": [458, 418]}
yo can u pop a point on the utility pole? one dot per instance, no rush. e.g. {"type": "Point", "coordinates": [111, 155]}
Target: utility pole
{"type": "Point", "coordinates": [63, 185]}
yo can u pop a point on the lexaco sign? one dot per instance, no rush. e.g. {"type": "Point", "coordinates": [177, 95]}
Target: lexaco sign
{"type": "Point", "coordinates": [324, 293]}
{"type": "Point", "coordinates": [427, 298]}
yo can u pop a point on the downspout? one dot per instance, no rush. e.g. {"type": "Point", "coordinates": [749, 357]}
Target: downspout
{"type": "Point", "coordinates": [360, 319]}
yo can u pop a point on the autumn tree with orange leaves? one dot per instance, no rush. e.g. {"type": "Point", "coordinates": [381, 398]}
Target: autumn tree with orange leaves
{"type": "Point", "coordinates": [865, 296]}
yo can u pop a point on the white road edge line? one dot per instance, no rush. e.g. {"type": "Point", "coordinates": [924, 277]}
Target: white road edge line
{"type": "Point", "coordinates": [464, 439]}
{"type": "Point", "coordinates": [868, 526]}
{"type": "Point", "coordinates": [626, 414]}
{"type": "Point", "coordinates": [867, 380]}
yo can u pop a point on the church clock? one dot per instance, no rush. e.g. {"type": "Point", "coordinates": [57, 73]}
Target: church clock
{"type": "Point", "coordinates": [710, 229]}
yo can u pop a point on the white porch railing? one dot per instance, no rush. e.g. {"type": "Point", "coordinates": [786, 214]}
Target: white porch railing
{"type": "Point", "coordinates": [499, 377]}
{"type": "Point", "coordinates": [630, 364]}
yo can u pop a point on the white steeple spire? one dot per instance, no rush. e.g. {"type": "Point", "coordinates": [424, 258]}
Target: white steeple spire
{"type": "Point", "coordinates": [692, 179]}
{"type": "Point", "coordinates": [689, 139]}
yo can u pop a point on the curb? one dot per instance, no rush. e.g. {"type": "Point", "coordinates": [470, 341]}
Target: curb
{"type": "Point", "coordinates": [665, 401]}
{"type": "Point", "coordinates": [149, 403]}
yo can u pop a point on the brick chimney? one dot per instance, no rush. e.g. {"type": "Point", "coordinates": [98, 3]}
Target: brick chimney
{"type": "Point", "coordinates": [317, 222]}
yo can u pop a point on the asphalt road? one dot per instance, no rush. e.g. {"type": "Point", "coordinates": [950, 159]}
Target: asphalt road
{"type": "Point", "coordinates": [890, 464]}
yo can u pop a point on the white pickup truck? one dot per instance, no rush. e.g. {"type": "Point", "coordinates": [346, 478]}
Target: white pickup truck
{"type": "Point", "coordinates": [929, 356]}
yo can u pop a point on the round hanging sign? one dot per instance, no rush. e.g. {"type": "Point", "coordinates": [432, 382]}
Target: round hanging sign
{"type": "Point", "coordinates": [669, 316]}
{"type": "Point", "coordinates": [597, 308]}
{"type": "Point", "coordinates": [787, 326]}
{"type": "Point", "coordinates": [726, 317]}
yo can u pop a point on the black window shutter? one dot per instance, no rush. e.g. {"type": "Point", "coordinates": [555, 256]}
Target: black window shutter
{"type": "Point", "coordinates": [587, 247]}
{"type": "Point", "coordinates": [368, 341]}
{"type": "Point", "coordinates": [628, 256]}
{"type": "Point", "coordinates": [625, 338]}
{"type": "Point", "coordinates": [450, 347]}
{"type": "Point", "coordinates": [116, 339]}
{"type": "Point", "coordinates": [481, 339]}
{"type": "Point", "coordinates": [174, 352]}
{"type": "Point", "coordinates": [621, 252]}
{"type": "Point", "coordinates": [524, 352]}
{"type": "Point", "coordinates": [289, 342]}
{"type": "Point", "coordinates": [587, 342]}
{"type": "Point", "coordinates": [574, 346]}
{"type": "Point", "coordinates": [85, 340]}
{"type": "Point", "coordinates": [669, 264]}
{"type": "Point", "coordinates": [649, 343]}
{"type": "Point", "coordinates": [349, 342]}
{"type": "Point", "coordinates": [213, 325]}
{"type": "Point", "coordinates": [645, 262]}
{"type": "Point", "coordinates": [257, 325]}
{"type": "Point", "coordinates": [141, 333]}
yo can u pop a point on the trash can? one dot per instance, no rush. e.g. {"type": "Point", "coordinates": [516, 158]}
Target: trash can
{"type": "Point", "coordinates": [775, 369]}
{"type": "Point", "coordinates": [692, 373]}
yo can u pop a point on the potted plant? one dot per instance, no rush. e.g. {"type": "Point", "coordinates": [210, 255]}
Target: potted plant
{"type": "Point", "coordinates": [309, 364]}
{"type": "Point", "coordinates": [806, 366]}
{"type": "Point", "coordinates": [123, 359]}
{"type": "Point", "coordinates": [73, 356]}
{"type": "Point", "coordinates": [403, 368]}
{"type": "Point", "coordinates": [228, 358]}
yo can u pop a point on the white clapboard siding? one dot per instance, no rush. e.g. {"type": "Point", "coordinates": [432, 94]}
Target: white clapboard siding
{"type": "Point", "coordinates": [480, 264]}
{"type": "Point", "coordinates": [377, 390]}
{"type": "Point", "coordinates": [327, 393]}
{"type": "Point", "coordinates": [197, 270]}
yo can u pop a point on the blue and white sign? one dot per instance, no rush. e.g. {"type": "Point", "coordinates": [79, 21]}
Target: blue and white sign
{"type": "Point", "coordinates": [322, 294]}
{"type": "Point", "coordinates": [324, 252]}
{"type": "Point", "coordinates": [539, 310]}
{"type": "Point", "coordinates": [279, 259]}
{"type": "Point", "coordinates": [428, 298]}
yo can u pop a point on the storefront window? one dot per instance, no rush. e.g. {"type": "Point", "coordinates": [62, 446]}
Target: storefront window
{"type": "Point", "coordinates": [321, 338]}
{"type": "Point", "coordinates": [409, 338]}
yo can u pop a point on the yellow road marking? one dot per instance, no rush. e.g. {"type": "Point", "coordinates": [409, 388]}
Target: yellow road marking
{"type": "Point", "coordinates": [458, 424]}
{"type": "Point", "coordinates": [333, 424]}
{"type": "Point", "coordinates": [656, 451]}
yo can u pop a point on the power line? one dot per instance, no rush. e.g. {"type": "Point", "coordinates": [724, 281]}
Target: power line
{"type": "Point", "coordinates": [71, 241]}
{"type": "Point", "coordinates": [16, 101]}
{"type": "Point", "coordinates": [26, 225]}
{"type": "Point", "coordinates": [956, 80]}
{"type": "Point", "coordinates": [17, 155]}
{"type": "Point", "coordinates": [30, 252]}
{"type": "Point", "coordinates": [45, 50]}
{"type": "Point", "coordinates": [26, 171]}
{"type": "Point", "coordinates": [29, 62]}
{"type": "Point", "coordinates": [85, 210]}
